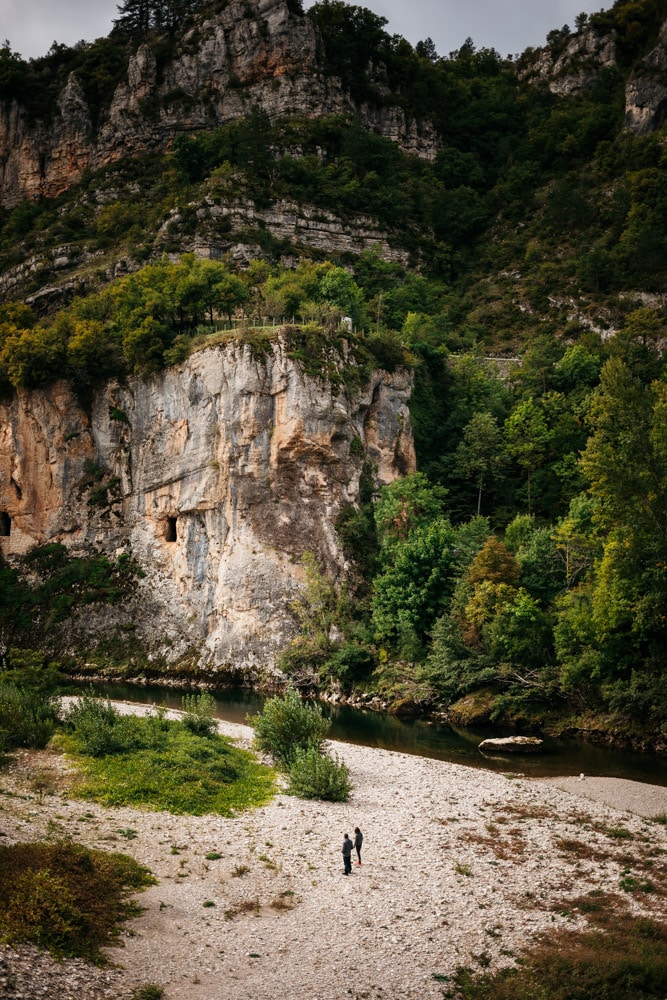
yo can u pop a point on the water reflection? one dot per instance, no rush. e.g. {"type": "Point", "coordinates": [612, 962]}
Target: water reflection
{"type": "Point", "coordinates": [415, 736]}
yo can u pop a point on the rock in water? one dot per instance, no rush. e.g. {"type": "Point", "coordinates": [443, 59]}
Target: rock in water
{"type": "Point", "coordinates": [512, 744]}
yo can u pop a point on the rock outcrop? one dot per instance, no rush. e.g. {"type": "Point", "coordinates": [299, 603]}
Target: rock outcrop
{"type": "Point", "coordinates": [575, 67]}
{"type": "Point", "coordinates": [646, 90]}
{"type": "Point", "coordinates": [512, 744]}
{"type": "Point", "coordinates": [238, 59]}
{"type": "Point", "coordinates": [216, 476]}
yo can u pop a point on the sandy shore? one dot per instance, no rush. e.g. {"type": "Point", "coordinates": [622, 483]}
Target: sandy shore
{"type": "Point", "coordinates": [619, 793]}
{"type": "Point", "coordinates": [460, 867]}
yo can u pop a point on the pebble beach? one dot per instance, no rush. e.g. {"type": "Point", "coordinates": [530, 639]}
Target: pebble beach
{"type": "Point", "coordinates": [461, 867]}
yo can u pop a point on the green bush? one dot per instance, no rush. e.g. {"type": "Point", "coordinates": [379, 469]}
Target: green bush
{"type": "Point", "coordinates": [287, 725]}
{"type": "Point", "coordinates": [27, 718]}
{"type": "Point", "coordinates": [99, 729]}
{"type": "Point", "coordinates": [151, 991]}
{"type": "Point", "coordinates": [316, 776]}
{"type": "Point", "coordinates": [199, 713]}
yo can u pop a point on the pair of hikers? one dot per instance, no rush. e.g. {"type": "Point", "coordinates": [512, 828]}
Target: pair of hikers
{"type": "Point", "coordinates": [347, 849]}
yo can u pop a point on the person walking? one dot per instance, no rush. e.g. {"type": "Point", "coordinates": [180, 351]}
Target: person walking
{"type": "Point", "coordinates": [347, 854]}
{"type": "Point", "coordinates": [358, 841]}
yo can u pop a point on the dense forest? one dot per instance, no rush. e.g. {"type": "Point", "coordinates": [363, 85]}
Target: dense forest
{"type": "Point", "coordinates": [521, 574]}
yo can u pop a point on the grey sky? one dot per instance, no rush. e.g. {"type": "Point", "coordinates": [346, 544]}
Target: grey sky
{"type": "Point", "coordinates": [506, 25]}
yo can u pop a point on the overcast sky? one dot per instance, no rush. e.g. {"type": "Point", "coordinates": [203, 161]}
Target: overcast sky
{"type": "Point", "coordinates": [506, 25]}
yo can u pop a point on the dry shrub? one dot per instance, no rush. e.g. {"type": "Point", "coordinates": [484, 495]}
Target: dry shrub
{"type": "Point", "coordinates": [527, 811]}
{"type": "Point", "coordinates": [580, 849]}
{"type": "Point", "coordinates": [285, 901]}
{"type": "Point", "coordinates": [624, 958]}
{"type": "Point", "coordinates": [244, 906]}
{"type": "Point", "coordinates": [66, 898]}
{"type": "Point", "coordinates": [504, 849]}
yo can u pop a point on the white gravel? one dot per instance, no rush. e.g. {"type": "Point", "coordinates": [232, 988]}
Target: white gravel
{"type": "Point", "coordinates": [460, 867]}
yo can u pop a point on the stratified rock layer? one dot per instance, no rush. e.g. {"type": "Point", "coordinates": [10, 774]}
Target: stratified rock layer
{"type": "Point", "coordinates": [217, 475]}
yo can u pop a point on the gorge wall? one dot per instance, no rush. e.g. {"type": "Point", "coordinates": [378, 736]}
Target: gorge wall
{"type": "Point", "coordinates": [239, 58]}
{"type": "Point", "coordinates": [216, 476]}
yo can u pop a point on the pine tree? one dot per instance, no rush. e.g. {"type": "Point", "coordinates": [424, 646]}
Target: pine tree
{"type": "Point", "coordinates": [134, 17]}
{"type": "Point", "coordinates": [137, 17]}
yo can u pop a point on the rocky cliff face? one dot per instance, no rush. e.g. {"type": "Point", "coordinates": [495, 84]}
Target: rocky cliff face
{"type": "Point", "coordinates": [580, 62]}
{"type": "Point", "coordinates": [240, 58]}
{"type": "Point", "coordinates": [646, 91]}
{"type": "Point", "coordinates": [218, 475]}
{"type": "Point", "coordinates": [576, 67]}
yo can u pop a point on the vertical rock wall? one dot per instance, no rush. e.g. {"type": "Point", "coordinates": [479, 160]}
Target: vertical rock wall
{"type": "Point", "coordinates": [217, 475]}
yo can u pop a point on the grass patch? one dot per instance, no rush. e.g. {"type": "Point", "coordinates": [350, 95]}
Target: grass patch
{"type": "Point", "coordinates": [150, 991]}
{"type": "Point", "coordinates": [624, 960]}
{"type": "Point", "coordinates": [155, 763]}
{"type": "Point", "coordinates": [66, 898]}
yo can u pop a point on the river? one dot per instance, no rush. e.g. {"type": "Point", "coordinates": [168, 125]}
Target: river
{"type": "Point", "coordinates": [426, 739]}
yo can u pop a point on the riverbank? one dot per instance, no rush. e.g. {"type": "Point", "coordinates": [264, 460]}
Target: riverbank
{"type": "Point", "coordinates": [460, 867]}
{"type": "Point", "coordinates": [593, 731]}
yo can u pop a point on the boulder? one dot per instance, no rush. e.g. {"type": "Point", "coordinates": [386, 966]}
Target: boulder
{"type": "Point", "coordinates": [512, 744]}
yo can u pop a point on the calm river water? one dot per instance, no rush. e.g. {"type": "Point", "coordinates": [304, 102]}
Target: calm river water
{"type": "Point", "coordinates": [426, 739]}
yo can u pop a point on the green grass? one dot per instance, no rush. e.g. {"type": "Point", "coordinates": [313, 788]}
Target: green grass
{"type": "Point", "coordinates": [177, 771]}
{"type": "Point", "coordinates": [66, 898]}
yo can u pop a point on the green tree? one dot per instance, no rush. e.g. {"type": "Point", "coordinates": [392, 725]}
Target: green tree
{"type": "Point", "coordinates": [478, 454]}
{"type": "Point", "coordinates": [405, 505]}
{"type": "Point", "coordinates": [577, 539]}
{"type": "Point", "coordinates": [418, 579]}
{"type": "Point", "coordinates": [527, 438]}
{"type": "Point", "coordinates": [288, 725]}
{"type": "Point", "coordinates": [339, 287]}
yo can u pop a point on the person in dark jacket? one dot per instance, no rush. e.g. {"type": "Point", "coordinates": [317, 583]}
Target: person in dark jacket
{"type": "Point", "coordinates": [358, 841]}
{"type": "Point", "coordinates": [347, 854]}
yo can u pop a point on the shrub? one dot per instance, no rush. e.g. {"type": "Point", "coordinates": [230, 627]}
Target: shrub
{"type": "Point", "coordinates": [66, 898]}
{"type": "Point", "coordinates": [316, 776]}
{"type": "Point", "coordinates": [99, 729]}
{"type": "Point", "coordinates": [287, 725]}
{"type": "Point", "coordinates": [150, 991]}
{"type": "Point", "coordinates": [199, 712]}
{"type": "Point", "coordinates": [27, 719]}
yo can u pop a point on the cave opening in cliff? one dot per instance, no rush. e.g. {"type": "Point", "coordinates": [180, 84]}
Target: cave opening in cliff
{"type": "Point", "coordinates": [171, 533]}
{"type": "Point", "coordinates": [5, 524]}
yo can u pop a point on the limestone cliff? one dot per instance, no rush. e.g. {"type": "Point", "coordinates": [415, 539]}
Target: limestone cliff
{"type": "Point", "coordinates": [646, 91]}
{"type": "Point", "coordinates": [218, 475]}
{"type": "Point", "coordinates": [574, 68]}
{"type": "Point", "coordinates": [239, 58]}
